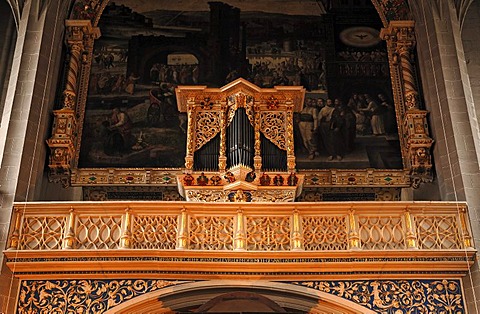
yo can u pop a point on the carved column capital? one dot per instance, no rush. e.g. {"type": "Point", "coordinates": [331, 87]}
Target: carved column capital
{"type": "Point", "coordinates": [400, 37]}
{"type": "Point", "coordinates": [399, 34]}
{"type": "Point", "coordinates": [77, 31]}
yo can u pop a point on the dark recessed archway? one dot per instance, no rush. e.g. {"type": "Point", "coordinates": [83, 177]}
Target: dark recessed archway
{"type": "Point", "coordinates": [246, 302]}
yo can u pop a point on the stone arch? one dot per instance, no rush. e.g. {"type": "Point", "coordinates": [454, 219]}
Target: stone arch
{"type": "Point", "coordinates": [7, 46]}
{"type": "Point", "coordinates": [273, 294]}
{"type": "Point", "coordinates": [471, 48]}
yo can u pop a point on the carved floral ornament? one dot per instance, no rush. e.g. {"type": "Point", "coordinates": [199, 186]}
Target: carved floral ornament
{"type": "Point", "coordinates": [81, 32]}
{"type": "Point", "coordinates": [381, 296]}
{"type": "Point", "coordinates": [270, 104]}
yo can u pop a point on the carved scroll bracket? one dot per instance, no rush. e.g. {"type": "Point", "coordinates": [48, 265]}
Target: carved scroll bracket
{"type": "Point", "coordinates": [416, 148]}
{"type": "Point", "coordinates": [79, 38]}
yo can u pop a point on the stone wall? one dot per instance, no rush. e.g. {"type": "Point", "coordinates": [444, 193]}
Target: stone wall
{"type": "Point", "coordinates": [448, 97]}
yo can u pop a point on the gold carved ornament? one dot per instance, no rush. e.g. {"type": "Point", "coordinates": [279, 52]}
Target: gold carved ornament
{"type": "Point", "coordinates": [211, 110]}
{"type": "Point", "coordinates": [65, 134]}
{"type": "Point", "coordinates": [273, 126]}
{"type": "Point", "coordinates": [207, 127]}
{"type": "Point", "coordinates": [412, 121]}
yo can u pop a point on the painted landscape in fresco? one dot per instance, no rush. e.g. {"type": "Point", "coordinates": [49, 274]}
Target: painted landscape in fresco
{"type": "Point", "coordinates": [148, 48]}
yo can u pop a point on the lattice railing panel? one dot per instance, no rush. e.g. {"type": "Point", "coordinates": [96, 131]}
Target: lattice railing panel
{"type": "Point", "coordinates": [437, 232]}
{"type": "Point", "coordinates": [42, 233]}
{"type": "Point", "coordinates": [211, 233]}
{"type": "Point", "coordinates": [154, 232]}
{"type": "Point", "coordinates": [381, 232]}
{"type": "Point", "coordinates": [268, 233]}
{"type": "Point", "coordinates": [99, 232]}
{"type": "Point", "coordinates": [252, 227]}
{"type": "Point", "coordinates": [324, 233]}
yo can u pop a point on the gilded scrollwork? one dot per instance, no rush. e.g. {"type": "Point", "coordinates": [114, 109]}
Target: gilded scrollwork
{"type": "Point", "coordinates": [382, 296]}
{"type": "Point", "coordinates": [197, 195]}
{"type": "Point", "coordinates": [273, 126]}
{"type": "Point", "coordinates": [154, 232]}
{"type": "Point", "coordinates": [411, 99]}
{"type": "Point", "coordinates": [82, 296]}
{"type": "Point", "coordinates": [240, 100]}
{"type": "Point", "coordinates": [397, 296]}
{"type": "Point", "coordinates": [207, 126]}
{"type": "Point", "coordinates": [273, 196]}
{"type": "Point", "coordinates": [290, 143]}
{"type": "Point", "coordinates": [69, 98]}
{"type": "Point", "coordinates": [206, 196]}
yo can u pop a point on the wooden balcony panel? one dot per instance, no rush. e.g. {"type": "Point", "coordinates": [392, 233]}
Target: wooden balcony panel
{"type": "Point", "coordinates": [198, 240]}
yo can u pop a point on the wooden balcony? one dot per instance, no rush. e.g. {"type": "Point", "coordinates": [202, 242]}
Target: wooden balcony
{"type": "Point", "coordinates": [226, 240]}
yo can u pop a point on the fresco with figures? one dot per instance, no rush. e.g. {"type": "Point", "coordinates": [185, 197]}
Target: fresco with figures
{"type": "Point", "coordinates": [148, 48]}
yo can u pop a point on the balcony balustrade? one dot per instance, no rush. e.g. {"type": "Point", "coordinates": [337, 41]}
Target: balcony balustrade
{"type": "Point", "coordinates": [257, 238]}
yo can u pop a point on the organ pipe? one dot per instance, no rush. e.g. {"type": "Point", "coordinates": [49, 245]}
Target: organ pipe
{"type": "Point", "coordinates": [273, 158]}
{"type": "Point", "coordinates": [240, 140]}
{"type": "Point", "coordinates": [206, 158]}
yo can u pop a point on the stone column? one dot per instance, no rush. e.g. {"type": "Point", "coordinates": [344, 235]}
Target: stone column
{"type": "Point", "coordinates": [7, 44]}
{"type": "Point", "coordinates": [25, 120]}
{"type": "Point", "coordinates": [447, 94]}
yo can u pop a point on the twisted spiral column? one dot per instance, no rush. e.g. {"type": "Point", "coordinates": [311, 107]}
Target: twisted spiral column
{"type": "Point", "coordinates": [70, 92]}
{"type": "Point", "coordinates": [413, 125]}
{"type": "Point", "coordinates": [410, 88]}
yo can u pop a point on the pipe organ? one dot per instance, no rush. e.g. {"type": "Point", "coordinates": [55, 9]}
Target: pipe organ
{"type": "Point", "coordinates": [236, 135]}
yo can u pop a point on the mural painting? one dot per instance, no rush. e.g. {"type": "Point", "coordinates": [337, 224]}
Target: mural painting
{"type": "Point", "coordinates": [146, 50]}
